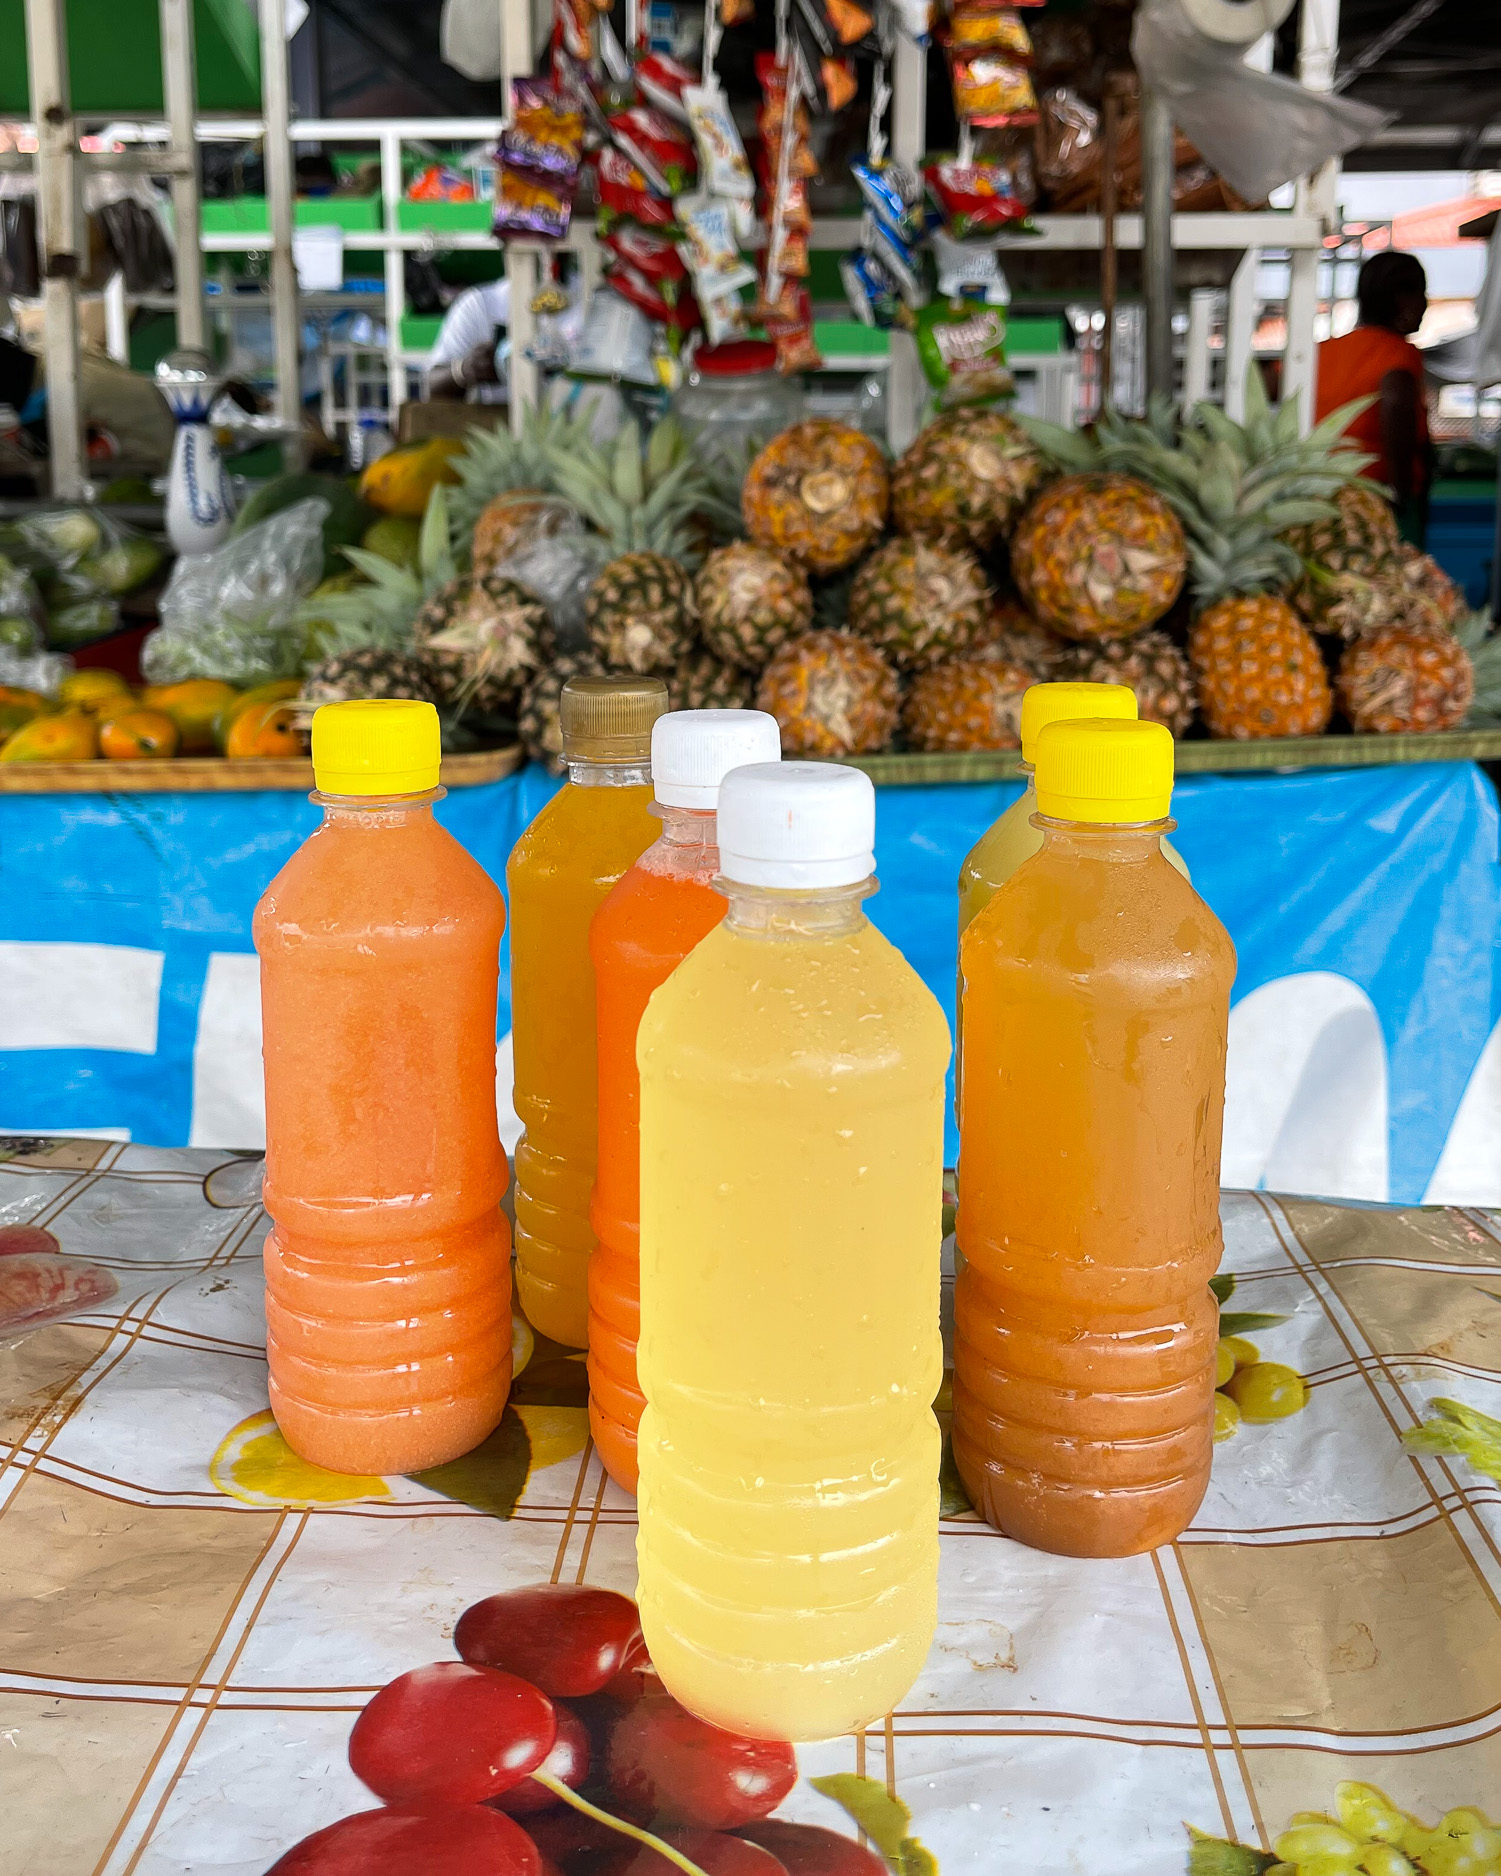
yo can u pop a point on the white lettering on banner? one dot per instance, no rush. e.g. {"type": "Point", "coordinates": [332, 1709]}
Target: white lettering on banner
{"type": "Point", "coordinates": [79, 996]}
{"type": "Point", "coordinates": [1306, 1105]}
{"type": "Point", "coordinates": [1469, 1168]}
{"type": "Point", "coordinates": [229, 1089]}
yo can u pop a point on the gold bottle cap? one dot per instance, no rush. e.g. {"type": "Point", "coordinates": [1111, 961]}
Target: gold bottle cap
{"type": "Point", "coordinates": [609, 719]}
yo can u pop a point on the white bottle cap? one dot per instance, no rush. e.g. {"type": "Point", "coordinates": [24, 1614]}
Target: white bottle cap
{"type": "Point", "coordinates": [797, 824]}
{"type": "Point", "coordinates": [692, 751]}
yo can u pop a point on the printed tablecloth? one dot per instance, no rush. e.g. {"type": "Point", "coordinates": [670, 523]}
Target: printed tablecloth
{"type": "Point", "coordinates": [189, 1620]}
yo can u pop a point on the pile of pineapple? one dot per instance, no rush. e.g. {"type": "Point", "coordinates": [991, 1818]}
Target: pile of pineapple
{"type": "Point", "coordinates": [1234, 573]}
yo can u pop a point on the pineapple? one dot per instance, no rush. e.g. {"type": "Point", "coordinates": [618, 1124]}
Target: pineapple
{"type": "Point", "coordinates": [1013, 636]}
{"type": "Point", "coordinates": [919, 601]}
{"type": "Point", "coordinates": [1259, 670]}
{"type": "Point", "coordinates": [1411, 589]}
{"type": "Point", "coordinates": [1359, 538]}
{"type": "Point", "coordinates": [1151, 665]}
{"type": "Point", "coordinates": [1098, 556]}
{"type": "Point", "coordinates": [494, 463]}
{"type": "Point", "coordinates": [484, 637]}
{"type": "Point", "coordinates": [537, 720]}
{"type": "Point", "coordinates": [1402, 679]}
{"type": "Point", "coordinates": [818, 492]}
{"type": "Point", "coordinates": [968, 703]}
{"type": "Point", "coordinates": [832, 694]}
{"type": "Point", "coordinates": [703, 682]}
{"type": "Point", "coordinates": [366, 672]}
{"type": "Point", "coordinates": [965, 479]}
{"type": "Point", "coordinates": [510, 523]}
{"type": "Point", "coordinates": [641, 613]}
{"type": "Point", "coordinates": [750, 602]}
{"type": "Point", "coordinates": [1426, 580]}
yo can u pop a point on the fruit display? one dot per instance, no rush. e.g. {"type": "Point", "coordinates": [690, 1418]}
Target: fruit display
{"type": "Point", "coordinates": [966, 703]}
{"type": "Point", "coordinates": [550, 1748]}
{"type": "Point", "coordinates": [965, 479]}
{"type": "Point", "coordinates": [1260, 671]}
{"type": "Point", "coordinates": [96, 714]}
{"type": "Point", "coordinates": [919, 601]}
{"type": "Point", "coordinates": [818, 492]}
{"type": "Point", "coordinates": [832, 694]}
{"type": "Point", "coordinates": [1365, 1834]}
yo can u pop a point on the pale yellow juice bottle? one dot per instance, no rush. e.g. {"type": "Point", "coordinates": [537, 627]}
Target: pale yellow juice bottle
{"type": "Point", "coordinates": [791, 1213]}
{"type": "Point", "coordinates": [1001, 849]}
{"type": "Point", "coordinates": [558, 873]}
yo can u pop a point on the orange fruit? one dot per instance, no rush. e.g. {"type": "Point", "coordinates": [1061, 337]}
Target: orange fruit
{"type": "Point", "coordinates": [264, 729]}
{"type": "Point", "coordinates": [70, 736]}
{"type": "Point", "coordinates": [136, 733]}
{"type": "Point", "coordinates": [276, 692]}
{"type": "Point", "coordinates": [194, 707]}
{"type": "Point", "coordinates": [93, 690]}
{"type": "Point", "coordinates": [32, 700]}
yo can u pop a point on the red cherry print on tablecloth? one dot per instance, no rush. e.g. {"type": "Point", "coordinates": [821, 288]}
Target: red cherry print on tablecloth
{"type": "Point", "coordinates": [665, 1764]}
{"type": "Point", "coordinates": [38, 1287]}
{"type": "Point", "coordinates": [810, 1850]}
{"type": "Point", "coordinates": [565, 1638]}
{"type": "Point", "coordinates": [568, 1762]}
{"type": "Point", "coordinates": [468, 1840]}
{"type": "Point", "coordinates": [27, 1241]}
{"type": "Point", "coordinates": [715, 1854]}
{"type": "Point", "coordinates": [451, 1734]}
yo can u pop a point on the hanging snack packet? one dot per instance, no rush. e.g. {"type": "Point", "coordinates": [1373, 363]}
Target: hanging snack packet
{"type": "Point", "coordinates": [968, 270]}
{"type": "Point", "coordinates": [915, 17]}
{"type": "Point", "coordinates": [724, 317]}
{"type": "Point", "coordinates": [973, 198]}
{"type": "Point", "coordinates": [871, 288]}
{"type": "Point", "coordinates": [625, 192]}
{"type": "Point", "coordinates": [545, 133]}
{"type": "Point", "coordinates": [838, 81]}
{"type": "Point", "coordinates": [788, 252]}
{"type": "Point", "coordinates": [712, 255]}
{"type": "Point", "coordinates": [987, 29]}
{"type": "Point", "coordinates": [963, 352]}
{"type": "Point", "coordinates": [663, 81]}
{"type": "Point", "coordinates": [736, 12]}
{"type": "Point", "coordinates": [659, 148]}
{"type": "Point", "coordinates": [990, 90]}
{"type": "Point", "coordinates": [616, 342]}
{"type": "Point", "coordinates": [893, 194]}
{"type": "Point", "coordinates": [721, 155]}
{"type": "Point", "coordinates": [902, 263]}
{"type": "Point", "coordinates": [574, 28]}
{"type": "Point", "coordinates": [529, 204]}
{"type": "Point", "coordinates": [653, 256]}
{"type": "Point", "coordinates": [679, 315]}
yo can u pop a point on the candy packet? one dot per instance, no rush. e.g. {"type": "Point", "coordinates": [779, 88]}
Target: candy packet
{"type": "Point", "coordinates": [625, 191]}
{"type": "Point", "coordinates": [545, 132]}
{"type": "Point", "coordinates": [652, 255]}
{"type": "Point", "coordinates": [992, 90]}
{"type": "Point", "coordinates": [722, 165]}
{"type": "Point", "coordinates": [527, 203]}
{"type": "Point", "coordinates": [709, 238]}
{"type": "Point", "coordinates": [963, 352]}
{"type": "Point", "coordinates": [659, 148]}
{"type": "Point", "coordinates": [663, 81]}
{"type": "Point", "coordinates": [893, 194]}
{"type": "Point", "coordinates": [973, 198]}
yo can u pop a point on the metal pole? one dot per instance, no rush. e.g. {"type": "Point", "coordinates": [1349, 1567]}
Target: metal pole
{"type": "Point", "coordinates": [1109, 158]}
{"type": "Point", "coordinates": [1157, 170]}
{"type": "Point", "coordinates": [1318, 41]}
{"type": "Point", "coordinates": [1240, 332]}
{"type": "Point", "coordinates": [390, 190]}
{"type": "Point", "coordinates": [1201, 304]}
{"type": "Point", "coordinates": [61, 228]}
{"type": "Point", "coordinates": [286, 318]}
{"type": "Point", "coordinates": [180, 97]}
{"type": "Point", "coordinates": [524, 381]}
{"type": "Point", "coordinates": [909, 111]}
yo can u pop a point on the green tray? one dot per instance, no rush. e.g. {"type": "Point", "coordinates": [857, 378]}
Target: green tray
{"type": "Point", "coordinates": [419, 331]}
{"type": "Point", "coordinates": [1481, 743]}
{"type": "Point", "coordinates": [445, 217]}
{"type": "Point", "coordinates": [248, 214]}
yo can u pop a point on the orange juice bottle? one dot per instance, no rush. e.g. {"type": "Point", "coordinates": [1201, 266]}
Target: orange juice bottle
{"type": "Point", "coordinates": [1096, 1000]}
{"type": "Point", "coordinates": [559, 871]}
{"type": "Point", "coordinates": [649, 923]}
{"type": "Point", "coordinates": [388, 1265]}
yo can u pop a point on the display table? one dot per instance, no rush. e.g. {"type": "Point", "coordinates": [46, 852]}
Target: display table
{"type": "Point", "coordinates": [1365, 904]}
{"type": "Point", "coordinates": [189, 1621]}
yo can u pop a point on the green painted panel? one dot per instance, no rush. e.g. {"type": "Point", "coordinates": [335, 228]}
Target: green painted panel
{"type": "Point", "coordinates": [114, 54]}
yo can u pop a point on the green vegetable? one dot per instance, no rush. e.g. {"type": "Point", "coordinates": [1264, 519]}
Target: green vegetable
{"type": "Point", "coordinates": [348, 517]}
{"type": "Point", "coordinates": [122, 567]}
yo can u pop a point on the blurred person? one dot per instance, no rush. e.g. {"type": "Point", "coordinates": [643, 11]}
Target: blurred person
{"type": "Point", "coordinates": [1379, 359]}
{"type": "Point", "coordinates": [463, 363]}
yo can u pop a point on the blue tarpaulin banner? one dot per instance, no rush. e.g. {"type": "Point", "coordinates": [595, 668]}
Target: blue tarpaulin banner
{"type": "Point", "coordinates": [1365, 906]}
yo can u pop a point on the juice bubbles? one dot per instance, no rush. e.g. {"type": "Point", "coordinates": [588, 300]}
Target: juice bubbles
{"type": "Point", "coordinates": [388, 1281]}
{"type": "Point", "coordinates": [1096, 1000]}
{"type": "Point", "coordinates": [647, 925]}
{"type": "Point", "coordinates": [559, 871]}
{"type": "Point", "coordinates": [791, 1210]}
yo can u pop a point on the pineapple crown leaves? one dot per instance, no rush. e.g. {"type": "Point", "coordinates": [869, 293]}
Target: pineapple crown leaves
{"type": "Point", "coordinates": [493, 462]}
{"type": "Point", "coordinates": [639, 500]}
{"type": "Point", "coordinates": [380, 614]}
{"type": "Point", "coordinates": [1477, 634]}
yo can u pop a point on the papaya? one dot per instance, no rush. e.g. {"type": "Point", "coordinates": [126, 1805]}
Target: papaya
{"type": "Point", "coordinates": [93, 690]}
{"type": "Point", "coordinates": [264, 729]}
{"type": "Point", "coordinates": [194, 706]}
{"type": "Point", "coordinates": [400, 482]}
{"type": "Point", "coordinates": [69, 736]}
{"type": "Point", "coordinates": [33, 700]}
{"type": "Point", "coordinates": [137, 733]}
{"type": "Point", "coordinates": [12, 716]}
{"type": "Point", "coordinates": [278, 691]}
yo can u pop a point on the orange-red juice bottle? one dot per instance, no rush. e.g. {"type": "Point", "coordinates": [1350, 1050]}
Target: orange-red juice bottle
{"type": "Point", "coordinates": [1096, 1000]}
{"type": "Point", "coordinates": [649, 923]}
{"type": "Point", "coordinates": [388, 1282]}
{"type": "Point", "coordinates": [559, 871]}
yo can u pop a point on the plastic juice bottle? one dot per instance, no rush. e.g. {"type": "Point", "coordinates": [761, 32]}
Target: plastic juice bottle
{"type": "Point", "coordinates": [647, 925]}
{"type": "Point", "coordinates": [1001, 849]}
{"type": "Point", "coordinates": [1096, 1001]}
{"type": "Point", "coordinates": [388, 1266]}
{"type": "Point", "coordinates": [792, 1074]}
{"type": "Point", "coordinates": [559, 871]}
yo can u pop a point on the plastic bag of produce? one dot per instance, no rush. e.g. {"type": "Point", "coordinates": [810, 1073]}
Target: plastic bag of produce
{"type": "Point", "coordinates": [41, 671]}
{"type": "Point", "coordinates": [90, 542]}
{"type": "Point", "coordinates": [21, 612]}
{"type": "Point", "coordinates": [232, 613]}
{"type": "Point", "coordinates": [79, 612]}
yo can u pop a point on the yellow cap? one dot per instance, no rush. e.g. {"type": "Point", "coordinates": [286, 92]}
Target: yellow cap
{"type": "Point", "coordinates": [377, 746]}
{"type": "Point", "coordinates": [1061, 703]}
{"type": "Point", "coordinates": [609, 719]}
{"type": "Point", "coordinates": [1106, 771]}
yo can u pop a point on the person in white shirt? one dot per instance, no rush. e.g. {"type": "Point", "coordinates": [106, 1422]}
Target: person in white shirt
{"type": "Point", "coordinates": [463, 359]}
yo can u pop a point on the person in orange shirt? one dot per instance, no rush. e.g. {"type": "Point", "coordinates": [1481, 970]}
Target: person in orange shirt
{"type": "Point", "coordinates": [1378, 358]}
